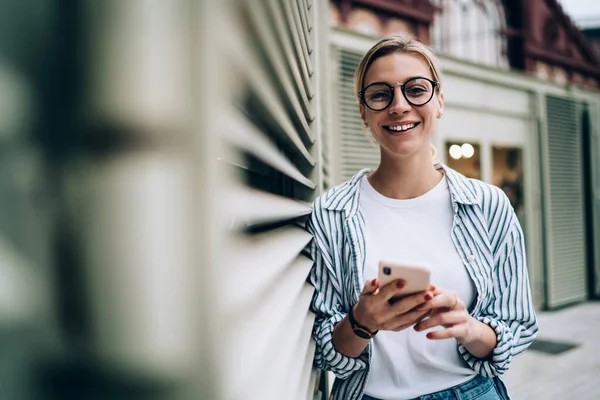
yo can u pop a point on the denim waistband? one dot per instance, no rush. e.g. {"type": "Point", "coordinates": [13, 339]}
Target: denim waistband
{"type": "Point", "coordinates": [466, 389]}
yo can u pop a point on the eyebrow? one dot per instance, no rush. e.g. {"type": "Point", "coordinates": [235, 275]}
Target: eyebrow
{"type": "Point", "coordinates": [402, 83]}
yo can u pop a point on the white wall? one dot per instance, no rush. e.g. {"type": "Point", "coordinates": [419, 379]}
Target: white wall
{"type": "Point", "coordinates": [484, 113]}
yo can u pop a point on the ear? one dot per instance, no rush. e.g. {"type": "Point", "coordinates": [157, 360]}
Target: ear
{"type": "Point", "coordinates": [440, 100]}
{"type": "Point", "coordinates": [363, 113]}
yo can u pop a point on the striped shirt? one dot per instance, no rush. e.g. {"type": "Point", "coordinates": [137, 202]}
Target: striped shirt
{"type": "Point", "coordinates": [489, 240]}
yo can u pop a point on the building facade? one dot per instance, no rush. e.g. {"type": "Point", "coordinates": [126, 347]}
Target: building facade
{"type": "Point", "coordinates": [157, 175]}
{"type": "Point", "coordinates": [521, 99]}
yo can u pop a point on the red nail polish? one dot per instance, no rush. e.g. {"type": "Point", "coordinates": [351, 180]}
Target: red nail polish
{"type": "Point", "coordinates": [428, 297]}
{"type": "Point", "coordinates": [429, 335]}
{"type": "Point", "coordinates": [399, 284]}
{"type": "Point", "coordinates": [416, 328]}
{"type": "Point", "coordinates": [374, 282]}
{"type": "Point", "coordinates": [432, 288]}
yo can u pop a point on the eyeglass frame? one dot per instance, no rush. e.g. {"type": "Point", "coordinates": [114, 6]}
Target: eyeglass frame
{"type": "Point", "coordinates": [361, 94]}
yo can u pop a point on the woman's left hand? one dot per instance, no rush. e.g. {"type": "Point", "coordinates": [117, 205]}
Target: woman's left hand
{"type": "Point", "coordinates": [449, 311]}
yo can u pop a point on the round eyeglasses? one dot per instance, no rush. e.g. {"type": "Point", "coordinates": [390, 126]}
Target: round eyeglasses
{"type": "Point", "coordinates": [417, 91]}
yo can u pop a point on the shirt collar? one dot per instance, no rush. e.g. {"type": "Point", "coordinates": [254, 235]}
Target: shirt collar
{"type": "Point", "coordinates": [462, 189]}
{"type": "Point", "coordinates": [345, 197]}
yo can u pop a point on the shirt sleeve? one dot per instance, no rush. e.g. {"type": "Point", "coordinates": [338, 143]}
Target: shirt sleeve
{"type": "Point", "coordinates": [326, 277]}
{"type": "Point", "coordinates": [510, 311]}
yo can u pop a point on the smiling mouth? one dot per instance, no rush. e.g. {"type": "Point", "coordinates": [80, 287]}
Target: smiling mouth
{"type": "Point", "coordinates": [401, 128]}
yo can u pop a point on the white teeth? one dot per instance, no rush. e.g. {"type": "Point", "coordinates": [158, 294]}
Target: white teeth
{"type": "Point", "coordinates": [401, 128]}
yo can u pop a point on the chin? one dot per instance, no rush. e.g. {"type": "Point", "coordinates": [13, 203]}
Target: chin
{"type": "Point", "coordinates": [406, 150]}
{"type": "Point", "coordinates": [401, 152]}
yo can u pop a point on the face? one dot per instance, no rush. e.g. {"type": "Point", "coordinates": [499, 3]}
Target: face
{"type": "Point", "coordinates": [402, 130]}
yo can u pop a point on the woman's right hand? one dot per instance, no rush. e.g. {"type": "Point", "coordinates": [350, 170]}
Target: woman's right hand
{"type": "Point", "coordinates": [375, 311]}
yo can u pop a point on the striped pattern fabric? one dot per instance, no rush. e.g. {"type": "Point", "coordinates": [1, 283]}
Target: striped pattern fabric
{"type": "Point", "coordinates": [489, 240]}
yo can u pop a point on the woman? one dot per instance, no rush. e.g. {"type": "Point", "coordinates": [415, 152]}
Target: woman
{"type": "Point", "coordinates": [457, 338]}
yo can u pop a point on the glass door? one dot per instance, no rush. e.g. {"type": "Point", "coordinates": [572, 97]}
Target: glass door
{"type": "Point", "coordinates": [507, 174]}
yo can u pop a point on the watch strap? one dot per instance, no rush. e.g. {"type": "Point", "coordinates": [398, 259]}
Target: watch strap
{"type": "Point", "coordinates": [358, 329]}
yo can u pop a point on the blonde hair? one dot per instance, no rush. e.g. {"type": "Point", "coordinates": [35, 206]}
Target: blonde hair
{"type": "Point", "coordinates": [397, 44]}
{"type": "Point", "coordinates": [391, 45]}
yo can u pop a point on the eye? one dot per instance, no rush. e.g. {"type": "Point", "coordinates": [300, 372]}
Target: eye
{"type": "Point", "coordinates": [415, 90]}
{"type": "Point", "coordinates": [379, 95]}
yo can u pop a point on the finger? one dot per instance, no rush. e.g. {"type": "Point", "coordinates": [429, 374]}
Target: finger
{"type": "Point", "coordinates": [435, 290]}
{"type": "Point", "coordinates": [426, 315]}
{"type": "Point", "coordinates": [392, 289]}
{"type": "Point", "coordinates": [404, 321]}
{"type": "Point", "coordinates": [410, 302]}
{"type": "Point", "coordinates": [401, 328]}
{"type": "Point", "coordinates": [447, 300]}
{"type": "Point", "coordinates": [370, 286]}
{"type": "Point", "coordinates": [444, 319]}
{"type": "Point", "coordinates": [452, 332]}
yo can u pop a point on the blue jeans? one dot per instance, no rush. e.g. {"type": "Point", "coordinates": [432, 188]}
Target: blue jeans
{"type": "Point", "coordinates": [478, 388]}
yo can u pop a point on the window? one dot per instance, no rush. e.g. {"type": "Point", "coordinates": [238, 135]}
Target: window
{"type": "Point", "coordinates": [472, 30]}
{"type": "Point", "coordinates": [465, 158]}
{"type": "Point", "coordinates": [507, 174]}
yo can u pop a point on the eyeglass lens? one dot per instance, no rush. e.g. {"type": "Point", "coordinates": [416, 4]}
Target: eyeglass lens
{"type": "Point", "coordinates": [417, 91]}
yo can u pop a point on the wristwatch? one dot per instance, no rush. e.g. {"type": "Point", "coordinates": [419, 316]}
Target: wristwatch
{"type": "Point", "coordinates": [358, 329]}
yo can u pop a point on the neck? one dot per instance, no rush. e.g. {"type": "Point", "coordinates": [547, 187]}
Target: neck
{"type": "Point", "coordinates": [405, 178]}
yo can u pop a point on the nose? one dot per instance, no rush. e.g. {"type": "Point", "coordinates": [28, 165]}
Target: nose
{"type": "Point", "coordinates": [400, 105]}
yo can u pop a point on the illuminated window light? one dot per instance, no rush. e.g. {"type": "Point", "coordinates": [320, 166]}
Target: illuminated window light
{"type": "Point", "coordinates": [467, 150]}
{"type": "Point", "coordinates": [455, 151]}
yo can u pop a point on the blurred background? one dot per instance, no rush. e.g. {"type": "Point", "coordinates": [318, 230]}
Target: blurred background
{"type": "Point", "coordinates": [158, 160]}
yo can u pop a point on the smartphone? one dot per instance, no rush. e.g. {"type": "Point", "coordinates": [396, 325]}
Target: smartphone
{"type": "Point", "coordinates": [416, 276]}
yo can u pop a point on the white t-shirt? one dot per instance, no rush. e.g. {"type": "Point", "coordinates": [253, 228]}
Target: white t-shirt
{"type": "Point", "coordinates": [406, 364]}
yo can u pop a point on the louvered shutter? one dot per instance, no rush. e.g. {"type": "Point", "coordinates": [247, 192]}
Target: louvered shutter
{"type": "Point", "coordinates": [592, 146]}
{"type": "Point", "coordinates": [274, 135]}
{"type": "Point", "coordinates": [563, 211]}
{"type": "Point", "coordinates": [354, 149]}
